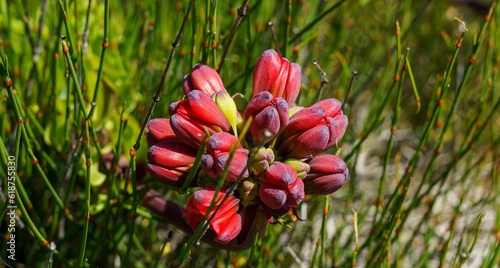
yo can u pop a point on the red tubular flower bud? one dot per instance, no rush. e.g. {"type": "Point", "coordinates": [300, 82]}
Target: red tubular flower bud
{"type": "Point", "coordinates": [312, 130]}
{"type": "Point", "coordinates": [281, 187]}
{"type": "Point", "coordinates": [203, 78]}
{"type": "Point", "coordinates": [159, 130]}
{"type": "Point", "coordinates": [327, 174]}
{"type": "Point", "coordinates": [269, 114]}
{"type": "Point", "coordinates": [170, 162]}
{"type": "Point", "coordinates": [278, 76]}
{"type": "Point", "coordinates": [217, 154]}
{"type": "Point", "coordinates": [253, 221]}
{"type": "Point", "coordinates": [332, 110]}
{"type": "Point", "coordinates": [190, 118]}
{"type": "Point", "coordinates": [226, 223]}
{"type": "Point", "coordinates": [292, 87]}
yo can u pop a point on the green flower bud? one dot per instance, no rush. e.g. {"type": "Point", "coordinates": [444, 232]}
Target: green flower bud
{"type": "Point", "coordinates": [248, 191]}
{"type": "Point", "coordinates": [264, 157]}
{"type": "Point", "coordinates": [228, 107]}
{"type": "Point", "coordinates": [293, 110]}
{"type": "Point", "coordinates": [299, 166]}
{"type": "Point", "coordinates": [240, 101]}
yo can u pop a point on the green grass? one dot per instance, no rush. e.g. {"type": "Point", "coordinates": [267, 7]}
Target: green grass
{"type": "Point", "coordinates": [421, 145]}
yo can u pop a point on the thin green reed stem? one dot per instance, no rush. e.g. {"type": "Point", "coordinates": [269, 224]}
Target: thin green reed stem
{"type": "Point", "coordinates": [19, 184]}
{"type": "Point", "coordinates": [253, 248]}
{"type": "Point", "coordinates": [273, 34]}
{"type": "Point", "coordinates": [196, 164]}
{"type": "Point", "coordinates": [288, 22]}
{"type": "Point", "coordinates": [78, 89]}
{"type": "Point", "coordinates": [194, 29]}
{"type": "Point", "coordinates": [324, 81]}
{"type": "Point", "coordinates": [315, 253]}
{"type": "Point", "coordinates": [448, 240]}
{"type": "Point", "coordinates": [22, 129]}
{"type": "Point", "coordinates": [326, 209]}
{"type": "Point", "coordinates": [135, 201]}
{"type": "Point", "coordinates": [95, 140]}
{"type": "Point", "coordinates": [32, 225]}
{"type": "Point", "coordinates": [37, 48]}
{"type": "Point", "coordinates": [3, 209]}
{"type": "Point", "coordinates": [71, 173]}
{"type": "Point", "coordinates": [316, 20]}
{"type": "Point", "coordinates": [162, 249]}
{"type": "Point", "coordinates": [64, 8]}
{"type": "Point", "coordinates": [52, 100]}
{"type": "Point", "coordinates": [261, 261]}
{"type": "Point", "coordinates": [52, 248]}
{"type": "Point", "coordinates": [204, 37]}
{"type": "Point", "coordinates": [356, 249]}
{"type": "Point", "coordinates": [494, 256]}
{"type": "Point", "coordinates": [35, 123]}
{"type": "Point", "coordinates": [213, 31]}
{"type": "Point", "coordinates": [105, 44]}
{"type": "Point", "coordinates": [54, 223]}
{"type": "Point", "coordinates": [117, 152]}
{"type": "Point", "coordinates": [85, 36]}
{"type": "Point", "coordinates": [159, 89]}
{"type": "Point", "coordinates": [4, 153]}
{"type": "Point", "coordinates": [88, 164]}
{"type": "Point", "coordinates": [413, 84]}
{"type": "Point", "coordinates": [5, 161]}
{"type": "Point", "coordinates": [464, 252]}
{"type": "Point", "coordinates": [131, 224]}
{"type": "Point", "coordinates": [67, 125]}
{"type": "Point", "coordinates": [241, 14]}
{"type": "Point", "coordinates": [112, 191]}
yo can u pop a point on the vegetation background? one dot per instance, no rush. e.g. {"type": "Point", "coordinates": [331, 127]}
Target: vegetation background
{"type": "Point", "coordinates": [422, 143]}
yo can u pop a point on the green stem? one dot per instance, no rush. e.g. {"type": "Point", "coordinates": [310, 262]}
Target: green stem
{"type": "Point", "coordinates": [32, 225]}
{"type": "Point", "coordinates": [322, 260]}
{"type": "Point", "coordinates": [105, 44]}
{"type": "Point", "coordinates": [316, 20]}
{"type": "Point", "coordinates": [78, 89]}
{"type": "Point", "coordinates": [88, 164]}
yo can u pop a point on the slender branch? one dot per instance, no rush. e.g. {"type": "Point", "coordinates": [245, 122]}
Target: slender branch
{"type": "Point", "coordinates": [242, 11]}
{"type": "Point", "coordinates": [273, 34]}
{"type": "Point", "coordinates": [85, 37]}
{"type": "Point", "coordinates": [105, 44]}
{"type": "Point", "coordinates": [349, 87]}
{"type": "Point", "coordinates": [324, 79]}
{"type": "Point", "coordinates": [37, 49]}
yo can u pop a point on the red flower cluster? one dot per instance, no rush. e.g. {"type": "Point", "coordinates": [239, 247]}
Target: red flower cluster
{"type": "Point", "coordinates": [274, 165]}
